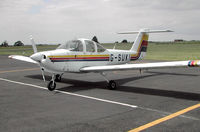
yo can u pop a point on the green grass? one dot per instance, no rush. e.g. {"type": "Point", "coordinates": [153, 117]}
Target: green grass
{"type": "Point", "coordinates": [24, 50]}
{"type": "Point", "coordinates": [173, 51]}
{"type": "Point", "coordinates": [167, 51]}
{"type": "Point", "coordinates": [156, 51]}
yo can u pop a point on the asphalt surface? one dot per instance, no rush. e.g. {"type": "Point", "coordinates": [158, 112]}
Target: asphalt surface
{"type": "Point", "coordinates": [86, 105]}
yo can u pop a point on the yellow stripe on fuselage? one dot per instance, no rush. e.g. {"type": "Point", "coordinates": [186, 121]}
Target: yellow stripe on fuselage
{"type": "Point", "coordinates": [70, 56]}
{"type": "Point", "coordinates": [61, 56]}
{"type": "Point", "coordinates": [92, 55]}
{"type": "Point", "coordinates": [134, 55]}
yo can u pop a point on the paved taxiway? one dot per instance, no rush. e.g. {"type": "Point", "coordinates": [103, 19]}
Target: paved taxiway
{"type": "Point", "coordinates": [84, 104]}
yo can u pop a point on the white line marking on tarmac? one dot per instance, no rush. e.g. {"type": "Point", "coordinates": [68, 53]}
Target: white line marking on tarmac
{"type": "Point", "coordinates": [73, 94]}
{"type": "Point", "coordinates": [98, 99]}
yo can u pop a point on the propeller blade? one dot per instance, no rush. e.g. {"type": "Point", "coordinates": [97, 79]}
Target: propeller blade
{"type": "Point", "coordinates": [33, 44]}
{"type": "Point", "coordinates": [43, 74]}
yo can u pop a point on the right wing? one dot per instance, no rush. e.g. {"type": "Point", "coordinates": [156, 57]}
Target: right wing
{"type": "Point", "coordinates": [141, 66]}
{"type": "Point", "coordinates": [22, 58]}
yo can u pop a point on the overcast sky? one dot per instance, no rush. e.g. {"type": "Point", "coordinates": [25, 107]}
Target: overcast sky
{"type": "Point", "coordinates": [56, 21]}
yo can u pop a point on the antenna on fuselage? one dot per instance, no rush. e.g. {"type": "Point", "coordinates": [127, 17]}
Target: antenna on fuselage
{"type": "Point", "coordinates": [115, 46]}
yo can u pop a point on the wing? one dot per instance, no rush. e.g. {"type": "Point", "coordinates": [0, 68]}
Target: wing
{"type": "Point", "coordinates": [22, 58]}
{"type": "Point", "coordinates": [142, 66]}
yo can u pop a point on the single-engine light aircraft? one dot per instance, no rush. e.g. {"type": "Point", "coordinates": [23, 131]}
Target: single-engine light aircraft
{"type": "Point", "coordinates": [84, 55]}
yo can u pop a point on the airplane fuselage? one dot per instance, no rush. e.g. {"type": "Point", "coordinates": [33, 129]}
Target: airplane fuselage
{"type": "Point", "coordinates": [62, 60]}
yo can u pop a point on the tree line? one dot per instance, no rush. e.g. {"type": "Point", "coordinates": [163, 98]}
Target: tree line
{"type": "Point", "coordinates": [18, 43]}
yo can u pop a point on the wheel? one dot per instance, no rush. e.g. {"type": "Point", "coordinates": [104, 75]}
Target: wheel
{"type": "Point", "coordinates": [112, 85]}
{"type": "Point", "coordinates": [51, 86]}
{"type": "Point", "coordinates": [58, 78]}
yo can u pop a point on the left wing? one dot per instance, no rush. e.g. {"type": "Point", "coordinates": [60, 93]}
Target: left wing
{"type": "Point", "coordinates": [22, 58]}
{"type": "Point", "coordinates": [193, 63]}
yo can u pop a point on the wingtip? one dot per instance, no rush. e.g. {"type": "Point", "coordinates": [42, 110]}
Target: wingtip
{"type": "Point", "coordinates": [170, 31]}
{"type": "Point", "coordinates": [10, 56]}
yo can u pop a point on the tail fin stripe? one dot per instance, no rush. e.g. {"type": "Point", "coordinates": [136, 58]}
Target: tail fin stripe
{"type": "Point", "coordinates": [145, 43]}
{"type": "Point", "coordinates": [142, 42]}
{"type": "Point", "coordinates": [144, 49]}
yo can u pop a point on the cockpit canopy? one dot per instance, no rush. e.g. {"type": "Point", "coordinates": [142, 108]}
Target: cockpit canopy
{"type": "Point", "coordinates": [82, 45]}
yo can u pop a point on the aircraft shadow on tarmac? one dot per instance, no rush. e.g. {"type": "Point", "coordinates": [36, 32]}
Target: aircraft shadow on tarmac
{"type": "Point", "coordinates": [79, 85]}
{"type": "Point", "coordinates": [168, 73]}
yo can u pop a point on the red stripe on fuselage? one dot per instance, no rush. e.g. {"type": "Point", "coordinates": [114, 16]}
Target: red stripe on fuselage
{"type": "Point", "coordinates": [79, 58]}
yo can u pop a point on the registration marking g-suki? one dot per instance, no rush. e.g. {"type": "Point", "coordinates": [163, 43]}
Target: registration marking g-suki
{"type": "Point", "coordinates": [120, 57]}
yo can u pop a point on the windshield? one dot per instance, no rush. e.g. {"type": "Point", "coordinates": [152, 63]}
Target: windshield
{"type": "Point", "coordinates": [74, 45]}
{"type": "Point", "coordinates": [100, 48]}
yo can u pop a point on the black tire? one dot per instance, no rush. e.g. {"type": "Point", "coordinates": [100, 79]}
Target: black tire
{"type": "Point", "coordinates": [51, 86]}
{"type": "Point", "coordinates": [112, 85]}
{"type": "Point", "coordinates": [58, 78]}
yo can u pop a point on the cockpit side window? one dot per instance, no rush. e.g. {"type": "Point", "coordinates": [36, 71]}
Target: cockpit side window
{"type": "Point", "coordinates": [90, 46]}
{"type": "Point", "coordinates": [74, 45]}
{"type": "Point", "coordinates": [100, 48]}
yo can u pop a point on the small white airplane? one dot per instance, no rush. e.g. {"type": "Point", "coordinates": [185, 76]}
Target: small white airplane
{"type": "Point", "coordinates": [84, 55]}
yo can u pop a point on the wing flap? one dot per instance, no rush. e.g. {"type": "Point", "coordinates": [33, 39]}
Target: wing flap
{"type": "Point", "coordinates": [22, 58]}
{"type": "Point", "coordinates": [141, 66]}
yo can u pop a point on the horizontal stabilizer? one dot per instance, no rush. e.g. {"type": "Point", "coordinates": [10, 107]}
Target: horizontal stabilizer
{"type": "Point", "coordinates": [145, 31]}
{"type": "Point", "coordinates": [22, 58]}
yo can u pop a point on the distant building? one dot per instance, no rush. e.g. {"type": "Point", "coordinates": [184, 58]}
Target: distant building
{"type": "Point", "coordinates": [178, 40]}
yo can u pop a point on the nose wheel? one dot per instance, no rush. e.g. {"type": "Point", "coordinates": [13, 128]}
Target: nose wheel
{"type": "Point", "coordinates": [51, 85]}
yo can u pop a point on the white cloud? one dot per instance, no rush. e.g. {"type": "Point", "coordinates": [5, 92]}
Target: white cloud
{"type": "Point", "coordinates": [52, 21]}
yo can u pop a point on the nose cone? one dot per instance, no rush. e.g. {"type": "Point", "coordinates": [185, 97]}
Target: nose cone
{"type": "Point", "coordinates": [36, 57]}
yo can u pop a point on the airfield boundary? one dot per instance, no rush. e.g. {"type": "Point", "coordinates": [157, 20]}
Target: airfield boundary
{"type": "Point", "coordinates": [155, 51]}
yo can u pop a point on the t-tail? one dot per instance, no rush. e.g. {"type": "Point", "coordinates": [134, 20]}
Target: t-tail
{"type": "Point", "coordinates": [139, 47]}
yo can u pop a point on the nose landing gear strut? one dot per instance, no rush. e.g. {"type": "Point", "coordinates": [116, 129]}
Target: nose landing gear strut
{"type": "Point", "coordinates": [52, 84]}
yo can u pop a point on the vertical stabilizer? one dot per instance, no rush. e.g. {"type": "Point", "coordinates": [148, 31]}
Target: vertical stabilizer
{"type": "Point", "coordinates": [141, 40]}
{"type": "Point", "coordinates": [139, 47]}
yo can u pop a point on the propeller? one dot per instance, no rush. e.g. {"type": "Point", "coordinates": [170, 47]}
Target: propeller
{"type": "Point", "coordinates": [43, 61]}
{"type": "Point", "coordinates": [43, 76]}
{"type": "Point", "coordinates": [40, 58]}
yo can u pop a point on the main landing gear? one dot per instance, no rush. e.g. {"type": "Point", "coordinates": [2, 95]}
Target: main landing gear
{"type": "Point", "coordinates": [52, 84]}
{"type": "Point", "coordinates": [57, 78]}
{"type": "Point", "coordinates": [111, 83]}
